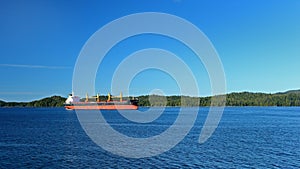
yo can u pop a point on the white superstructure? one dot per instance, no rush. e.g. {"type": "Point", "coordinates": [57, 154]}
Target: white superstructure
{"type": "Point", "coordinates": [72, 99]}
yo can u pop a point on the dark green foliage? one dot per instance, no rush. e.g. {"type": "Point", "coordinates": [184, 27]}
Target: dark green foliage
{"type": "Point", "coordinates": [289, 98]}
{"type": "Point", "coordinates": [2, 103]}
{"type": "Point", "coordinates": [53, 101]}
{"type": "Point", "coordinates": [262, 99]}
{"type": "Point", "coordinates": [156, 100]}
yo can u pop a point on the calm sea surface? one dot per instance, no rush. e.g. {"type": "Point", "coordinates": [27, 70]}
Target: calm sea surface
{"type": "Point", "coordinates": [247, 137]}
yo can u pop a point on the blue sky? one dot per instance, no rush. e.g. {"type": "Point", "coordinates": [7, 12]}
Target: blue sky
{"type": "Point", "coordinates": [258, 43]}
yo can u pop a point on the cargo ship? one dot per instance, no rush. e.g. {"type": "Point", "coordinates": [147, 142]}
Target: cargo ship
{"type": "Point", "coordinates": [94, 103]}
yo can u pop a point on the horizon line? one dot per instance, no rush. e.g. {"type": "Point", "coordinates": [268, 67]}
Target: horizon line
{"type": "Point", "coordinates": [153, 94]}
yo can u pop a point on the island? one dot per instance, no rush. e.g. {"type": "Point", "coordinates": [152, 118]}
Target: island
{"type": "Point", "coordinates": [288, 98]}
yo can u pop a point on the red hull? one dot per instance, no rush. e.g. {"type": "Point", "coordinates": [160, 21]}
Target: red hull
{"type": "Point", "coordinates": [102, 107]}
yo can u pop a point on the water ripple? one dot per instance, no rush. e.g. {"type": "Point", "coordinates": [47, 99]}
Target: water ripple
{"type": "Point", "coordinates": [246, 138]}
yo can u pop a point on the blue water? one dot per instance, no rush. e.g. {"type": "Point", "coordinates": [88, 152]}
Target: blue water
{"type": "Point", "coordinates": [247, 137]}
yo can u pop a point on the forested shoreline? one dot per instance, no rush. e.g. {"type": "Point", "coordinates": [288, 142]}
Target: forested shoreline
{"type": "Point", "coordinates": [289, 98]}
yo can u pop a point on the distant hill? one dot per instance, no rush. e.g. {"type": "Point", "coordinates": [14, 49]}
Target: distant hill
{"type": "Point", "coordinates": [290, 92]}
{"type": "Point", "coordinates": [2, 103]}
{"type": "Point", "coordinates": [53, 101]}
{"type": "Point", "coordinates": [288, 98]}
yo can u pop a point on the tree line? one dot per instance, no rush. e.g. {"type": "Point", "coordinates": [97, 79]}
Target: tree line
{"type": "Point", "coordinates": [290, 98]}
{"type": "Point", "coordinates": [53, 101]}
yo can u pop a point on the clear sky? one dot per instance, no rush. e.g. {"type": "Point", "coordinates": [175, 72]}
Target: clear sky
{"type": "Point", "coordinates": [257, 41]}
